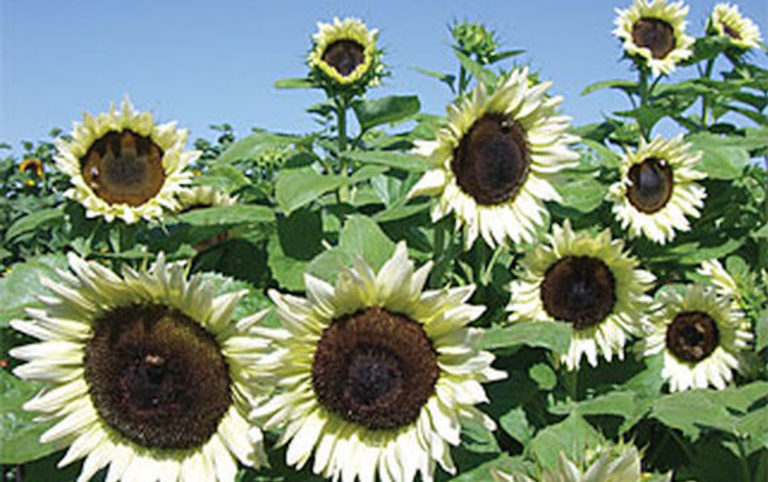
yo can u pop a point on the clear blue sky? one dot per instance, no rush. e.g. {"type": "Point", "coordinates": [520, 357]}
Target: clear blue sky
{"type": "Point", "coordinates": [204, 62]}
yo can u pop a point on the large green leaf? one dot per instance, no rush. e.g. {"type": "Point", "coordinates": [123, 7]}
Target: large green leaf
{"type": "Point", "coordinates": [34, 221]}
{"type": "Point", "coordinates": [224, 215]}
{"type": "Point", "coordinates": [573, 436]}
{"type": "Point", "coordinates": [298, 187]}
{"type": "Point", "coordinates": [552, 335]}
{"type": "Point", "coordinates": [294, 83]}
{"type": "Point", "coordinates": [406, 162]}
{"type": "Point", "coordinates": [360, 236]}
{"type": "Point", "coordinates": [19, 433]}
{"type": "Point", "coordinates": [20, 287]}
{"type": "Point", "coordinates": [581, 192]}
{"type": "Point", "coordinates": [252, 146]}
{"type": "Point", "coordinates": [298, 239]}
{"type": "Point", "coordinates": [625, 85]}
{"type": "Point", "coordinates": [625, 404]}
{"type": "Point", "coordinates": [721, 159]}
{"type": "Point", "coordinates": [386, 110]}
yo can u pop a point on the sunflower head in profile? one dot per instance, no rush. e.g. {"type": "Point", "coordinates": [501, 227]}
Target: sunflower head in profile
{"type": "Point", "coordinates": [375, 375]}
{"type": "Point", "coordinates": [700, 333]}
{"type": "Point", "coordinates": [587, 281]}
{"type": "Point", "coordinates": [493, 166]}
{"type": "Point", "coordinates": [654, 32]}
{"type": "Point", "coordinates": [123, 165]}
{"type": "Point", "coordinates": [344, 54]}
{"type": "Point", "coordinates": [726, 20]}
{"type": "Point", "coordinates": [148, 374]}
{"type": "Point", "coordinates": [658, 189]}
{"type": "Point", "coordinates": [618, 463]}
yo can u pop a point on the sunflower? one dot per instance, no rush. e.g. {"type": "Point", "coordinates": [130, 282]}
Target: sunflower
{"type": "Point", "coordinates": [123, 165]}
{"type": "Point", "coordinates": [726, 20]}
{"type": "Point", "coordinates": [376, 375]}
{"type": "Point", "coordinates": [149, 376]}
{"type": "Point", "coordinates": [587, 281]}
{"type": "Point", "coordinates": [344, 52]}
{"type": "Point", "coordinates": [655, 31]}
{"type": "Point", "coordinates": [202, 197]}
{"type": "Point", "coordinates": [657, 189]}
{"type": "Point", "coordinates": [722, 281]}
{"type": "Point", "coordinates": [701, 335]}
{"type": "Point", "coordinates": [32, 164]}
{"type": "Point", "coordinates": [613, 464]}
{"type": "Point", "coordinates": [495, 162]}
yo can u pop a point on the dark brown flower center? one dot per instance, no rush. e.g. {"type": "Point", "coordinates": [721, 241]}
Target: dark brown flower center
{"type": "Point", "coordinates": [734, 34]}
{"type": "Point", "coordinates": [651, 186]}
{"type": "Point", "coordinates": [157, 377]}
{"type": "Point", "coordinates": [344, 56]}
{"type": "Point", "coordinates": [492, 160]}
{"type": "Point", "coordinates": [579, 290]}
{"type": "Point", "coordinates": [375, 368]}
{"type": "Point", "coordinates": [692, 336]}
{"type": "Point", "coordinates": [656, 35]}
{"type": "Point", "coordinates": [124, 167]}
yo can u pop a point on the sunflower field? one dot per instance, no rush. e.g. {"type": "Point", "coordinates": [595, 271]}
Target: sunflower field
{"type": "Point", "coordinates": [493, 294]}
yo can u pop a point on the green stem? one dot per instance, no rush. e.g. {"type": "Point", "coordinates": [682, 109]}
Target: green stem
{"type": "Point", "coordinates": [681, 443]}
{"type": "Point", "coordinates": [462, 80]}
{"type": "Point", "coordinates": [704, 100]}
{"type": "Point", "coordinates": [481, 260]}
{"type": "Point", "coordinates": [571, 382]}
{"type": "Point", "coordinates": [644, 91]}
{"type": "Point", "coordinates": [744, 462]}
{"type": "Point", "coordinates": [341, 112]}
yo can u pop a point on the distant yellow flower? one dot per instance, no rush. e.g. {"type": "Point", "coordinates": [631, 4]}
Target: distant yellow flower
{"type": "Point", "coordinates": [32, 164]}
{"type": "Point", "coordinates": [655, 32]}
{"type": "Point", "coordinates": [727, 20]}
{"type": "Point", "coordinates": [123, 165]}
{"type": "Point", "coordinates": [345, 51]}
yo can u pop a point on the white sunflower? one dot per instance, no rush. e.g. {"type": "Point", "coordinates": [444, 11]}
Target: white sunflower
{"type": "Point", "coordinates": [700, 335]}
{"type": "Point", "coordinates": [618, 464]}
{"type": "Point", "coordinates": [149, 374]}
{"type": "Point", "coordinates": [588, 281]}
{"type": "Point", "coordinates": [345, 52]}
{"type": "Point", "coordinates": [123, 165]}
{"type": "Point", "coordinates": [375, 375]}
{"type": "Point", "coordinates": [202, 197]}
{"type": "Point", "coordinates": [655, 32]}
{"type": "Point", "coordinates": [723, 282]}
{"type": "Point", "coordinates": [726, 20]}
{"type": "Point", "coordinates": [657, 189]}
{"type": "Point", "coordinates": [494, 165]}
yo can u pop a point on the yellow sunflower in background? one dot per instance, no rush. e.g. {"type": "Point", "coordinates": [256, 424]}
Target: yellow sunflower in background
{"type": "Point", "coordinates": [614, 464]}
{"type": "Point", "coordinates": [655, 32]}
{"type": "Point", "coordinates": [375, 375]}
{"type": "Point", "coordinates": [726, 20]}
{"type": "Point", "coordinates": [149, 374]}
{"type": "Point", "coordinates": [700, 334]}
{"type": "Point", "coordinates": [123, 165]}
{"type": "Point", "coordinates": [657, 189]}
{"type": "Point", "coordinates": [587, 281]}
{"type": "Point", "coordinates": [202, 197]}
{"type": "Point", "coordinates": [494, 165]}
{"type": "Point", "coordinates": [345, 52]}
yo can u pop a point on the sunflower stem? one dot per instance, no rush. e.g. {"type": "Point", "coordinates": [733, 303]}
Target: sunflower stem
{"type": "Point", "coordinates": [681, 443]}
{"type": "Point", "coordinates": [341, 114]}
{"type": "Point", "coordinates": [644, 91]}
{"type": "Point", "coordinates": [744, 462]}
{"type": "Point", "coordinates": [707, 75]}
{"type": "Point", "coordinates": [462, 80]}
{"type": "Point", "coordinates": [571, 382]}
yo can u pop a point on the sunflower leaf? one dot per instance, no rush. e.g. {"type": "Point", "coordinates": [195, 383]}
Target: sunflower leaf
{"type": "Point", "coordinates": [294, 83]}
{"type": "Point", "coordinates": [386, 110]}
{"type": "Point", "coordinates": [251, 147]}
{"type": "Point", "coordinates": [572, 436]}
{"type": "Point", "coordinates": [406, 162]}
{"type": "Point", "coordinates": [625, 85]}
{"type": "Point", "coordinates": [34, 221]}
{"type": "Point", "coordinates": [224, 215]}
{"type": "Point", "coordinates": [297, 187]}
{"type": "Point", "coordinates": [581, 192]}
{"type": "Point", "coordinates": [552, 335]}
{"type": "Point", "coordinates": [19, 433]}
{"type": "Point", "coordinates": [721, 159]}
{"type": "Point", "coordinates": [20, 287]}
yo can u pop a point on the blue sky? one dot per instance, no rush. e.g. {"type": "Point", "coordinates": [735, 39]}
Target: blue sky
{"type": "Point", "coordinates": [206, 62]}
